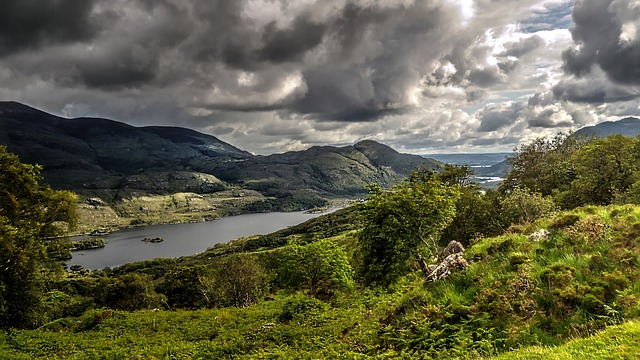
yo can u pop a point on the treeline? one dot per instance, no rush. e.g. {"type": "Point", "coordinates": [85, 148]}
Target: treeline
{"type": "Point", "coordinates": [555, 173]}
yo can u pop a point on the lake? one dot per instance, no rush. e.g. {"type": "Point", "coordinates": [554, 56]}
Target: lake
{"type": "Point", "coordinates": [126, 246]}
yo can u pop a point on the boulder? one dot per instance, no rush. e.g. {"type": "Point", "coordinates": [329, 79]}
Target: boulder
{"type": "Point", "coordinates": [454, 247]}
{"type": "Point", "coordinates": [447, 266]}
{"type": "Point", "coordinates": [539, 235]}
{"type": "Point", "coordinates": [452, 259]}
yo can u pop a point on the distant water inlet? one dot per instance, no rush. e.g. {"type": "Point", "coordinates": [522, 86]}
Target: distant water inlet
{"type": "Point", "coordinates": [128, 245]}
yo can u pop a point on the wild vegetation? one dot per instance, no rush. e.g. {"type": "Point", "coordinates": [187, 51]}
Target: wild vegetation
{"type": "Point", "coordinates": [349, 284]}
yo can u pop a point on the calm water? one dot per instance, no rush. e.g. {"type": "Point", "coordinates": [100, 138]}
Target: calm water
{"type": "Point", "coordinates": [126, 246]}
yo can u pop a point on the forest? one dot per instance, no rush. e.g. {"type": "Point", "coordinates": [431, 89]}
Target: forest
{"type": "Point", "coordinates": [548, 267]}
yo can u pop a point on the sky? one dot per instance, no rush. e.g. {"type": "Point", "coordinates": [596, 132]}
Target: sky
{"type": "Point", "coordinates": [268, 76]}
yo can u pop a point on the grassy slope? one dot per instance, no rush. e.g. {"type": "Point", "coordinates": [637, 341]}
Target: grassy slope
{"type": "Point", "coordinates": [515, 293]}
{"type": "Point", "coordinates": [616, 342]}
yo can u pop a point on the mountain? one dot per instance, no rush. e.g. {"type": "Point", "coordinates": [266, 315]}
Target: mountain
{"type": "Point", "coordinates": [75, 151]}
{"type": "Point", "coordinates": [327, 169]}
{"type": "Point", "coordinates": [629, 127]}
{"type": "Point", "coordinates": [85, 154]}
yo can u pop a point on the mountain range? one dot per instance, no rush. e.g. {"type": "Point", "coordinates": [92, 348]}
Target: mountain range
{"type": "Point", "coordinates": [94, 155]}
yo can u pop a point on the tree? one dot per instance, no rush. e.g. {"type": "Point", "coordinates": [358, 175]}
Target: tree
{"type": "Point", "coordinates": [241, 279]}
{"type": "Point", "coordinates": [191, 287]}
{"type": "Point", "coordinates": [477, 215]}
{"type": "Point", "coordinates": [133, 292]}
{"type": "Point", "coordinates": [30, 212]}
{"type": "Point", "coordinates": [321, 267]}
{"type": "Point", "coordinates": [522, 206]}
{"type": "Point", "coordinates": [400, 221]}
{"type": "Point", "coordinates": [544, 165]}
{"type": "Point", "coordinates": [604, 169]}
{"type": "Point", "coordinates": [476, 211]}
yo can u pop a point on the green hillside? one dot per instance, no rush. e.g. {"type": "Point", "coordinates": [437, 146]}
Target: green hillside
{"type": "Point", "coordinates": [433, 267]}
{"type": "Point", "coordinates": [615, 343]}
{"type": "Point", "coordinates": [516, 292]}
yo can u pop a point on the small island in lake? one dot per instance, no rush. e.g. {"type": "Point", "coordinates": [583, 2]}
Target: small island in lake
{"type": "Point", "coordinates": [153, 240]}
{"type": "Point", "coordinates": [86, 244]}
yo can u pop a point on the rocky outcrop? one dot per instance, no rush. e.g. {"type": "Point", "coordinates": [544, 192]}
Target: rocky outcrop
{"type": "Point", "coordinates": [454, 247]}
{"type": "Point", "coordinates": [452, 260]}
{"type": "Point", "coordinates": [539, 235]}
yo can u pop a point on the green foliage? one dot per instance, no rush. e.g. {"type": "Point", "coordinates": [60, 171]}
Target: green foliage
{"type": "Point", "coordinates": [30, 212]}
{"type": "Point", "coordinates": [300, 308]}
{"type": "Point", "coordinates": [236, 280]}
{"type": "Point", "coordinates": [619, 342]}
{"type": "Point", "coordinates": [604, 168]}
{"type": "Point", "coordinates": [515, 293]}
{"type": "Point", "coordinates": [322, 268]}
{"type": "Point", "coordinates": [522, 206]}
{"type": "Point", "coordinates": [133, 292]}
{"type": "Point", "coordinates": [544, 165]}
{"type": "Point", "coordinates": [477, 212]}
{"type": "Point", "coordinates": [189, 287]}
{"type": "Point", "coordinates": [91, 243]}
{"type": "Point", "coordinates": [399, 221]}
{"type": "Point", "coordinates": [477, 215]}
{"type": "Point", "coordinates": [242, 279]}
{"type": "Point", "coordinates": [321, 227]}
{"type": "Point", "coordinates": [578, 171]}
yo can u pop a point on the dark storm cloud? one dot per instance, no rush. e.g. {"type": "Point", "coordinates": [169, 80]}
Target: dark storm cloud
{"type": "Point", "coordinates": [524, 46]}
{"type": "Point", "coordinates": [600, 40]}
{"type": "Point", "coordinates": [484, 77]}
{"type": "Point", "coordinates": [545, 119]}
{"type": "Point", "coordinates": [593, 89]}
{"type": "Point", "coordinates": [346, 61]}
{"type": "Point", "coordinates": [28, 24]}
{"type": "Point", "coordinates": [571, 91]}
{"type": "Point", "coordinates": [281, 45]}
{"type": "Point", "coordinates": [496, 116]}
{"type": "Point", "coordinates": [322, 70]}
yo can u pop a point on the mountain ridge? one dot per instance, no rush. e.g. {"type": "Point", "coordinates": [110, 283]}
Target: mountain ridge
{"type": "Point", "coordinates": [629, 126]}
{"type": "Point", "coordinates": [87, 154]}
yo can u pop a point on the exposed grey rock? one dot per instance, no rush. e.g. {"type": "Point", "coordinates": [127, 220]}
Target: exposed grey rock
{"type": "Point", "coordinates": [539, 235]}
{"type": "Point", "coordinates": [454, 247]}
{"type": "Point", "coordinates": [447, 266]}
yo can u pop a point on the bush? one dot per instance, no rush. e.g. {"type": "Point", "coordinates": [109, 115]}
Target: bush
{"type": "Point", "coordinates": [322, 268]}
{"type": "Point", "coordinates": [523, 206]}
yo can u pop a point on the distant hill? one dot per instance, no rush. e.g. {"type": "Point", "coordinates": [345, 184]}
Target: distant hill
{"type": "Point", "coordinates": [629, 127]}
{"type": "Point", "coordinates": [91, 153]}
{"type": "Point", "coordinates": [327, 169]}
{"type": "Point", "coordinates": [488, 167]}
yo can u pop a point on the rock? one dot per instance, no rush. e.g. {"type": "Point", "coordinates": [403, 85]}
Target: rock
{"type": "Point", "coordinates": [454, 247]}
{"type": "Point", "coordinates": [447, 266]}
{"type": "Point", "coordinates": [452, 259]}
{"type": "Point", "coordinates": [539, 235]}
{"type": "Point", "coordinates": [94, 202]}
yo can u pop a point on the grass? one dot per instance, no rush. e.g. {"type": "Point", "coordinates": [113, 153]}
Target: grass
{"type": "Point", "coordinates": [616, 342]}
{"type": "Point", "coordinates": [516, 294]}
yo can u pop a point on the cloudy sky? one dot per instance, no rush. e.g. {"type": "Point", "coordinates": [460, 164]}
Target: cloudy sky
{"type": "Point", "coordinates": [422, 76]}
